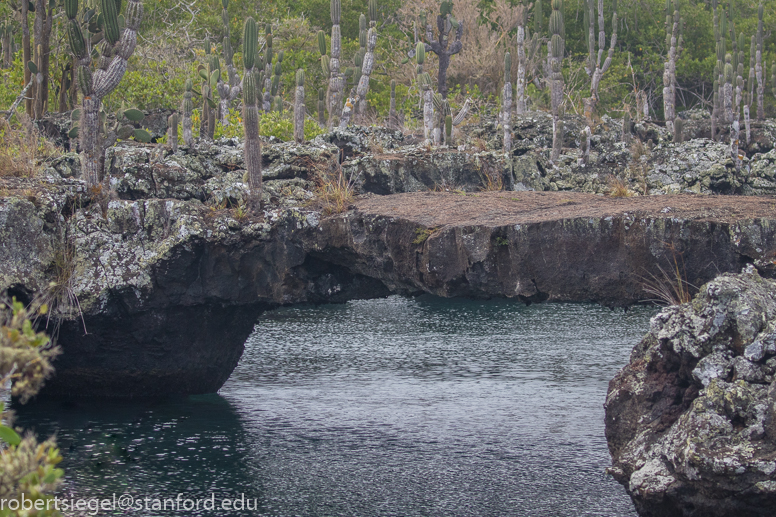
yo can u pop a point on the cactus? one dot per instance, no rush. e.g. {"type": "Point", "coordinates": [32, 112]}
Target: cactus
{"type": "Point", "coordinates": [321, 108]}
{"type": "Point", "coordinates": [506, 103]}
{"type": "Point", "coordinates": [584, 143]}
{"type": "Point", "coordinates": [299, 107]}
{"type": "Point", "coordinates": [210, 77]}
{"type": "Point", "coordinates": [727, 92]}
{"type": "Point", "coordinates": [228, 92]}
{"type": "Point", "coordinates": [336, 79]}
{"type": "Point", "coordinates": [44, 16]}
{"type": "Point", "coordinates": [366, 68]}
{"type": "Point", "coordinates": [773, 77]}
{"type": "Point", "coordinates": [595, 70]}
{"type": "Point", "coordinates": [556, 51]}
{"type": "Point", "coordinates": [268, 55]}
{"type": "Point", "coordinates": [734, 136]}
{"type": "Point", "coordinates": [172, 132]}
{"type": "Point", "coordinates": [7, 36]}
{"type": "Point", "coordinates": [442, 46]}
{"type": "Point", "coordinates": [251, 93]}
{"type": "Point", "coordinates": [538, 17]}
{"type": "Point", "coordinates": [95, 86]}
{"type": "Point", "coordinates": [372, 13]}
{"type": "Point", "coordinates": [758, 67]}
{"type": "Point", "coordinates": [187, 109]}
{"type": "Point", "coordinates": [393, 118]}
{"type": "Point", "coordinates": [674, 43]}
{"type": "Point", "coordinates": [678, 130]}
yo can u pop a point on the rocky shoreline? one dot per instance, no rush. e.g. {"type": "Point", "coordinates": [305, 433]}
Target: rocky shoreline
{"type": "Point", "coordinates": [691, 420]}
{"type": "Point", "coordinates": [156, 283]}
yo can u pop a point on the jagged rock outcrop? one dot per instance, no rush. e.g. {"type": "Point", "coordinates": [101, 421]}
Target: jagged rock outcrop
{"type": "Point", "coordinates": [167, 271]}
{"type": "Point", "coordinates": [691, 420]}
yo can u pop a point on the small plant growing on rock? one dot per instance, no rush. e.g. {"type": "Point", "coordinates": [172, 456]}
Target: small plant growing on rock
{"type": "Point", "coordinates": [422, 235]}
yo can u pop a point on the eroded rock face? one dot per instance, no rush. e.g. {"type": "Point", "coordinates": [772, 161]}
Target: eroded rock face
{"type": "Point", "coordinates": [691, 421]}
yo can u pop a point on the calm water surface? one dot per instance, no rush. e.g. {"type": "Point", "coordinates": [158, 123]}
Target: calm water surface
{"type": "Point", "coordinates": [406, 407]}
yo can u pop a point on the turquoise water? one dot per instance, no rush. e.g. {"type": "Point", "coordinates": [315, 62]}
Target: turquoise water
{"type": "Point", "coordinates": [406, 407]}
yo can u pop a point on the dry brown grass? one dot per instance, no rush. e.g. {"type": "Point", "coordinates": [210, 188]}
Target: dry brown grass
{"type": "Point", "coordinates": [618, 188]}
{"type": "Point", "coordinates": [23, 151]}
{"type": "Point", "coordinates": [492, 178]}
{"type": "Point", "coordinates": [335, 189]}
{"type": "Point", "coordinates": [670, 287]}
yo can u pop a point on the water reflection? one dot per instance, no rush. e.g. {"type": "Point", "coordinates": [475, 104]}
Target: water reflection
{"type": "Point", "coordinates": [412, 407]}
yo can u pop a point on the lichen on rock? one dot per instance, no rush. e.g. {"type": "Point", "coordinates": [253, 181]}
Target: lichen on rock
{"type": "Point", "coordinates": [691, 420]}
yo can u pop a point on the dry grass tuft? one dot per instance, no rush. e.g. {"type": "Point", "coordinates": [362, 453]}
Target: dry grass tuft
{"type": "Point", "coordinates": [670, 287]}
{"type": "Point", "coordinates": [335, 188]}
{"type": "Point", "coordinates": [492, 178]}
{"type": "Point", "coordinates": [618, 188]}
{"type": "Point", "coordinates": [23, 151]}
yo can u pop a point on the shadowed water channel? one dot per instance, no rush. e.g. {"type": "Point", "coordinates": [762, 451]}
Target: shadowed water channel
{"type": "Point", "coordinates": [406, 407]}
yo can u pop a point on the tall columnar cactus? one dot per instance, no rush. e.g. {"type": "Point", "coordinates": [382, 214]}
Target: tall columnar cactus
{"type": "Point", "coordinates": [369, 58]}
{"type": "Point", "coordinates": [758, 67]}
{"type": "Point", "coordinates": [556, 51]}
{"type": "Point", "coordinates": [187, 109]}
{"type": "Point", "coordinates": [336, 80]}
{"type": "Point", "coordinates": [424, 81]}
{"type": "Point", "coordinates": [228, 92]}
{"type": "Point", "coordinates": [251, 93]}
{"type": "Point", "coordinates": [674, 44]}
{"type": "Point", "coordinates": [299, 107]}
{"type": "Point", "coordinates": [210, 76]}
{"type": "Point", "coordinates": [525, 59]}
{"type": "Point", "coordinates": [7, 37]}
{"type": "Point", "coordinates": [538, 17]}
{"type": "Point", "coordinates": [773, 77]}
{"type": "Point", "coordinates": [442, 46]}
{"type": "Point", "coordinates": [44, 16]}
{"type": "Point", "coordinates": [321, 108]}
{"type": "Point", "coordinates": [506, 103]}
{"type": "Point", "coordinates": [393, 118]}
{"type": "Point", "coordinates": [268, 54]}
{"type": "Point", "coordinates": [115, 50]}
{"type": "Point", "coordinates": [678, 130]}
{"type": "Point", "coordinates": [595, 70]}
{"type": "Point", "coordinates": [172, 132]}
{"type": "Point", "coordinates": [727, 90]}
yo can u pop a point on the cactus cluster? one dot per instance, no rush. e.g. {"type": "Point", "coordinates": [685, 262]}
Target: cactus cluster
{"type": "Point", "coordinates": [367, 66]}
{"type": "Point", "coordinates": [116, 48]}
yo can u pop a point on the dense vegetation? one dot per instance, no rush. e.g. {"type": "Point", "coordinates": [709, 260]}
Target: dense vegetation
{"type": "Point", "coordinates": [174, 35]}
